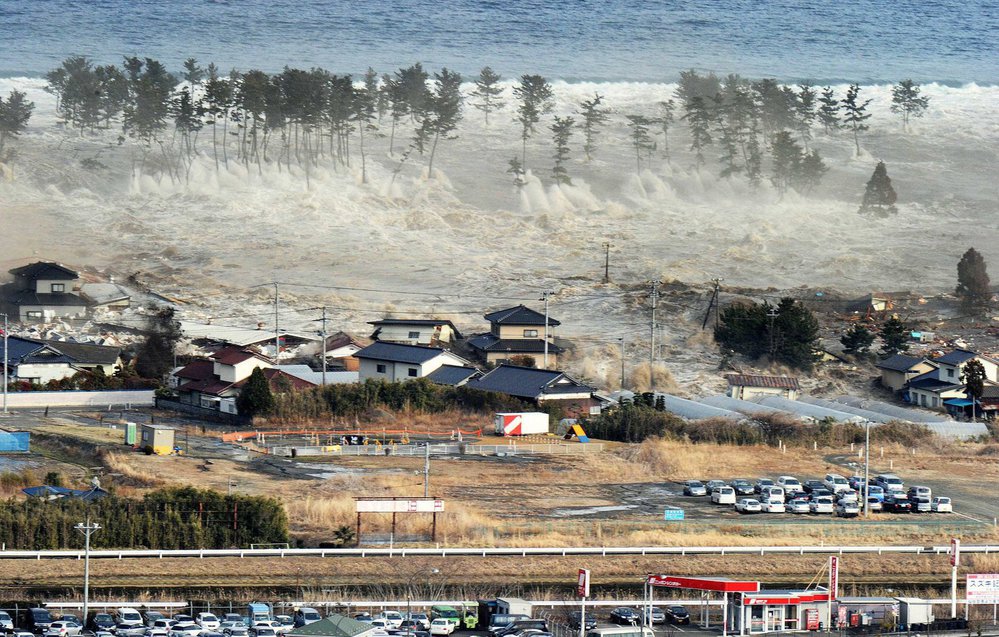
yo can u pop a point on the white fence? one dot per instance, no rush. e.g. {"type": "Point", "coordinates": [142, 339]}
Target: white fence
{"type": "Point", "coordinates": [943, 549]}
{"type": "Point", "coordinates": [97, 399]}
{"type": "Point", "coordinates": [439, 449]}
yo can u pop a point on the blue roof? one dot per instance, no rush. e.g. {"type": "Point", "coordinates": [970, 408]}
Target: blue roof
{"type": "Point", "coordinates": [46, 491]}
{"type": "Point", "coordinates": [958, 402]}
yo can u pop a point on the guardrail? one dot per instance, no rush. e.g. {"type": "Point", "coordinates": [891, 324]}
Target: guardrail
{"type": "Point", "coordinates": [438, 449]}
{"type": "Point", "coordinates": [496, 552]}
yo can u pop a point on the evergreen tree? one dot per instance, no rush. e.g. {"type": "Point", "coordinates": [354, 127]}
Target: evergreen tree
{"type": "Point", "coordinates": [150, 88]}
{"type": "Point", "coordinates": [255, 397]}
{"type": "Point", "coordinates": [787, 333]}
{"type": "Point", "coordinates": [413, 90]}
{"type": "Point", "coordinates": [193, 74]}
{"type": "Point", "coordinates": [787, 155]}
{"type": "Point", "coordinates": [517, 170]}
{"type": "Point", "coordinates": [805, 111]}
{"type": "Point", "coordinates": [561, 134]}
{"type": "Point", "coordinates": [113, 92]}
{"type": "Point", "coordinates": [487, 92]}
{"type": "Point", "coordinates": [364, 108]}
{"type": "Point", "coordinates": [906, 100]}
{"type": "Point", "coordinates": [699, 118]}
{"type": "Point", "coordinates": [593, 118]}
{"type": "Point", "coordinates": [973, 378]}
{"type": "Point", "coordinates": [79, 91]}
{"type": "Point", "coordinates": [666, 118]}
{"type": "Point", "coordinates": [879, 197]}
{"type": "Point", "coordinates": [641, 141]}
{"type": "Point", "coordinates": [445, 110]}
{"type": "Point", "coordinates": [692, 85]}
{"type": "Point", "coordinates": [856, 113]}
{"type": "Point", "coordinates": [811, 168]}
{"type": "Point", "coordinates": [973, 285]}
{"type": "Point", "coordinates": [894, 336]}
{"type": "Point", "coordinates": [776, 105]}
{"type": "Point", "coordinates": [15, 112]}
{"type": "Point", "coordinates": [754, 154]}
{"type": "Point", "coordinates": [536, 99]}
{"type": "Point", "coordinates": [857, 340]}
{"type": "Point", "coordinates": [829, 110]}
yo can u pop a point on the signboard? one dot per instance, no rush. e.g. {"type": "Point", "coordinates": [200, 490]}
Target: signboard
{"type": "Point", "coordinates": [955, 552]}
{"type": "Point", "coordinates": [703, 583]}
{"type": "Point", "coordinates": [833, 577]}
{"type": "Point", "coordinates": [982, 588]}
{"type": "Point", "coordinates": [583, 583]}
{"type": "Point", "coordinates": [842, 616]}
{"type": "Point", "coordinates": [812, 619]}
{"type": "Point", "coordinates": [400, 506]}
{"type": "Point", "coordinates": [673, 514]}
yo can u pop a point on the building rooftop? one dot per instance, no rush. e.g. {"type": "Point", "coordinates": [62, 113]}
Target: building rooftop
{"type": "Point", "coordinates": [519, 315]}
{"type": "Point", "coordinates": [46, 270]}
{"type": "Point", "coordinates": [899, 362]}
{"type": "Point", "coordinates": [399, 353]}
{"type": "Point", "coordinates": [753, 380]}
{"type": "Point", "coordinates": [528, 382]}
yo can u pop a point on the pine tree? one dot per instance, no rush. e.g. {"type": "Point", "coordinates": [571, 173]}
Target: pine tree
{"type": "Point", "coordinates": [517, 170]}
{"type": "Point", "coordinates": [363, 114]}
{"type": "Point", "coordinates": [810, 172]}
{"type": "Point", "coordinates": [856, 113]}
{"type": "Point", "coordinates": [536, 99]}
{"type": "Point", "coordinates": [255, 397]}
{"type": "Point", "coordinates": [786, 155]}
{"type": "Point", "coordinates": [699, 118]}
{"type": "Point", "coordinates": [805, 111]}
{"type": "Point", "coordinates": [641, 141]}
{"type": "Point", "coordinates": [829, 110]}
{"type": "Point", "coordinates": [879, 197]}
{"type": "Point", "coordinates": [906, 100]}
{"type": "Point", "coordinates": [787, 333]}
{"type": "Point", "coordinates": [973, 378]}
{"type": "Point", "coordinates": [857, 340]}
{"type": "Point", "coordinates": [487, 92]}
{"type": "Point", "coordinates": [894, 336]}
{"type": "Point", "coordinates": [561, 134]}
{"type": "Point", "coordinates": [973, 285]}
{"type": "Point", "coordinates": [155, 356]}
{"type": "Point", "coordinates": [14, 115]}
{"type": "Point", "coordinates": [445, 110]}
{"type": "Point", "coordinates": [593, 117]}
{"type": "Point", "coordinates": [665, 121]}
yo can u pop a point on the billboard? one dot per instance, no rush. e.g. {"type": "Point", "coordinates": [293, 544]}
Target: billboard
{"type": "Point", "coordinates": [400, 506]}
{"type": "Point", "coordinates": [583, 583]}
{"type": "Point", "coordinates": [982, 588]}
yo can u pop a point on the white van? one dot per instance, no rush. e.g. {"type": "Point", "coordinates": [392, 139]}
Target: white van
{"type": "Point", "coordinates": [624, 631]}
{"type": "Point", "coordinates": [773, 493]}
{"type": "Point", "coordinates": [723, 495]}
{"type": "Point", "coordinates": [128, 616]}
{"type": "Point", "coordinates": [836, 483]}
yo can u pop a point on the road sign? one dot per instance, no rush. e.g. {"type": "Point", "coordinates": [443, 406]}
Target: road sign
{"type": "Point", "coordinates": [583, 583]}
{"type": "Point", "coordinates": [400, 506]}
{"type": "Point", "coordinates": [982, 588]}
{"type": "Point", "coordinates": [673, 514]}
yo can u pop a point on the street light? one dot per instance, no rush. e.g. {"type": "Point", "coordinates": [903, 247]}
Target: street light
{"type": "Point", "coordinates": [5, 379]}
{"type": "Point", "coordinates": [87, 529]}
{"type": "Point", "coordinates": [409, 596]}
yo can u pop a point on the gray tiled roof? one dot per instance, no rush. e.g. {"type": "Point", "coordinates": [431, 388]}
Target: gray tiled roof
{"type": "Point", "coordinates": [399, 353]}
{"type": "Point", "coordinates": [46, 270]}
{"type": "Point", "coordinates": [87, 353]}
{"type": "Point", "coordinates": [492, 343]}
{"type": "Point", "coordinates": [956, 357]}
{"type": "Point", "coordinates": [527, 382]}
{"type": "Point", "coordinates": [899, 362]}
{"type": "Point", "coordinates": [519, 315]}
{"type": "Point", "coordinates": [451, 374]}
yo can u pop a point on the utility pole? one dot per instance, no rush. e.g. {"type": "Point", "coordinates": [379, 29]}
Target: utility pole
{"type": "Point", "coordinates": [654, 295]}
{"type": "Point", "coordinates": [772, 314]}
{"type": "Point", "coordinates": [713, 304]}
{"type": "Point", "coordinates": [426, 471]}
{"type": "Point", "coordinates": [87, 529]}
{"type": "Point", "coordinates": [607, 262]}
{"type": "Point", "coordinates": [277, 335]}
{"type": "Point", "coordinates": [5, 361]}
{"type": "Point", "coordinates": [622, 362]}
{"type": "Point", "coordinates": [544, 297]}
{"type": "Point", "coordinates": [323, 335]}
{"type": "Point", "coordinates": [867, 468]}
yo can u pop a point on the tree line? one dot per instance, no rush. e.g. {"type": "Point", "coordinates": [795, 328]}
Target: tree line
{"type": "Point", "coordinates": [304, 117]}
{"type": "Point", "coordinates": [172, 518]}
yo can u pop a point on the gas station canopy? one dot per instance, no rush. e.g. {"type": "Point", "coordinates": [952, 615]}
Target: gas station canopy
{"type": "Point", "coordinates": [715, 584]}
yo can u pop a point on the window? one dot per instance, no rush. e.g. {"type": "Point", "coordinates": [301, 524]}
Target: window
{"type": "Point", "coordinates": [413, 372]}
{"type": "Point", "coordinates": [414, 335]}
{"type": "Point", "coordinates": [380, 369]}
{"type": "Point", "coordinates": [58, 287]}
{"type": "Point", "coordinates": [950, 373]}
{"type": "Point", "coordinates": [34, 314]}
{"type": "Point", "coordinates": [530, 333]}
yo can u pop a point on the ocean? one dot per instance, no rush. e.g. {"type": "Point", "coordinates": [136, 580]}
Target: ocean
{"type": "Point", "coordinates": [867, 41]}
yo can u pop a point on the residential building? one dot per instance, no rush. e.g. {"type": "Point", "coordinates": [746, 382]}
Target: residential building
{"type": "Point", "coordinates": [540, 386]}
{"type": "Point", "coordinates": [398, 362]}
{"type": "Point", "coordinates": [951, 365]}
{"type": "Point", "coordinates": [38, 362]}
{"type": "Point", "coordinates": [943, 386]}
{"type": "Point", "coordinates": [517, 334]}
{"type": "Point", "coordinates": [340, 350]}
{"type": "Point", "coordinates": [430, 332]}
{"type": "Point", "coordinates": [453, 375]}
{"type": "Point", "coordinates": [749, 386]}
{"type": "Point", "coordinates": [44, 291]}
{"type": "Point", "coordinates": [898, 369]}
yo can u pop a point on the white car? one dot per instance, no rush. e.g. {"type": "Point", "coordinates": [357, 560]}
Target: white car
{"type": "Point", "coordinates": [186, 630]}
{"type": "Point", "coordinates": [748, 505]}
{"type": "Point", "coordinates": [63, 629]}
{"type": "Point", "coordinates": [442, 626]}
{"type": "Point", "coordinates": [721, 495]}
{"type": "Point", "coordinates": [286, 623]}
{"type": "Point", "coordinates": [822, 504]}
{"type": "Point", "coordinates": [790, 484]}
{"type": "Point", "coordinates": [383, 624]}
{"type": "Point", "coordinates": [422, 618]}
{"type": "Point", "coordinates": [847, 509]}
{"type": "Point", "coordinates": [773, 506]}
{"type": "Point", "coordinates": [874, 505]}
{"type": "Point", "coordinates": [847, 496]}
{"type": "Point", "coordinates": [208, 621]}
{"type": "Point", "coordinates": [836, 483]}
{"type": "Point", "coordinates": [262, 631]}
{"type": "Point", "coordinates": [941, 504]}
{"type": "Point", "coordinates": [394, 618]}
{"type": "Point", "coordinates": [799, 505]}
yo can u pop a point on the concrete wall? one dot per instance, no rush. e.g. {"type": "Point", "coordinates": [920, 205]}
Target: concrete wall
{"type": "Point", "coordinates": [34, 399]}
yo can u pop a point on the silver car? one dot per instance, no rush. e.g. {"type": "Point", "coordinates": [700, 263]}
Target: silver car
{"type": "Point", "coordinates": [694, 488]}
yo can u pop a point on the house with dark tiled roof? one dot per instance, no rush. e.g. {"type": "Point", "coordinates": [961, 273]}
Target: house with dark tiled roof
{"type": "Point", "coordinates": [943, 387]}
{"type": "Point", "coordinates": [38, 362]}
{"type": "Point", "coordinates": [453, 375]}
{"type": "Point", "coordinates": [951, 365]}
{"type": "Point", "coordinates": [334, 625]}
{"type": "Point", "coordinates": [749, 386]}
{"type": "Point", "coordinates": [399, 362]}
{"type": "Point", "coordinates": [517, 333]}
{"type": "Point", "coordinates": [898, 369]}
{"type": "Point", "coordinates": [431, 332]}
{"type": "Point", "coordinates": [43, 291]}
{"type": "Point", "coordinates": [539, 386]}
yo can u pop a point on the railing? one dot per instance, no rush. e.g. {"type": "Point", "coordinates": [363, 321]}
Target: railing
{"type": "Point", "coordinates": [495, 552]}
{"type": "Point", "coordinates": [439, 449]}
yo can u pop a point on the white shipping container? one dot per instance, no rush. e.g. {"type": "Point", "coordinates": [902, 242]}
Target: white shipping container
{"type": "Point", "coordinates": [521, 423]}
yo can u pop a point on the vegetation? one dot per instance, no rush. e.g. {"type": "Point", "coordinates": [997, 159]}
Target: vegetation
{"type": "Point", "coordinates": [536, 99]}
{"type": "Point", "coordinates": [561, 134]}
{"type": "Point", "coordinates": [973, 285]}
{"type": "Point", "coordinates": [155, 356]}
{"type": "Point", "coordinates": [879, 197]}
{"type": "Point", "coordinates": [857, 340]}
{"type": "Point", "coordinates": [15, 112]}
{"type": "Point", "coordinates": [256, 398]}
{"type": "Point", "coordinates": [174, 518]}
{"type": "Point", "coordinates": [907, 101]}
{"type": "Point", "coordinates": [974, 379]}
{"type": "Point", "coordinates": [894, 336]}
{"type": "Point", "coordinates": [786, 333]}
{"type": "Point", "coordinates": [855, 113]}
{"type": "Point", "coordinates": [594, 116]}
{"type": "Point", "coordinates": [487, 92]}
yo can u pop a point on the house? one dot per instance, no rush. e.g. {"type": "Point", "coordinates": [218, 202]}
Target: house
{"type": "Point", "coordinates": [943, 388]}
{"type": "Point", "coordinates": [108, 295]}
{"type": "Point", "coordinates": [158, 437]}
{"type": "Point", "coordinates": [38, 362]}
{"type": "Point", "coordinates": [453, 375]}
{"type": "Point", "coordinates": [340, 350]}
{"type": "Point", "coordinates": [951, 365]}
{"type": "Point", "coordinates": [334, 625]}
{"type": "Point", "coordinates": [432, 332]}
{"type": "Point", "coordinates": [43, 291]}
{"type": "Point", "coordinates": [540, 386]}
{"type": "Point", "coordinates": [517, 334]}
{"type": "Point", "coordinates": [398, 362]}
{"type": "Point", "coordinates": [898, 369]}
{"type": "Point", "coordinates": [313, 377]}
{"type": "Point", "coordinates": [749, 386]}
{"type": "Point", "coordinates": [930, 391]}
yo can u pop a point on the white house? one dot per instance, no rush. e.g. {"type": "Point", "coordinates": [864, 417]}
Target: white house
{"type": "Point", "coordinates": [430, 332]}
{"type": "Point", "coordinates": [749, 386]}
{"type": "Point", "coordinates": [42, 291]}
{"type": "Point", "coordinates": [397, 362]}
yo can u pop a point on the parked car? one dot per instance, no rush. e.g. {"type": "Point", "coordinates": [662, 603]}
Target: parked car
{"type": "Point", "coordinates": [773, 506]}
{"type": "Point", "coordinates": [889, 482]}
{"type": "Point", "coordinates": [822, 504]}
{"type": "Point", "coordinates": [874, 491]}
{"type": "Point", "coordinates": [897, 503]}
{"type": "Point", "coordinates": [408, 627]}
{"type": "Point", "coordinates": [273, 624]}
{"type": "Point", "coordinates": [130, 630]}
{"type": "Point", "coordinates": [677, 615]}
{"type": "Point", "coordinates": [234, 617]}
{"type": "Point", "coordinates": [856, 482]}
{"type": "Point", "coordinates": [441, 626]}
{"type": "Point", "coordinates": [37, 620]}
{"type": "Point", "coordinates": [101, 621]}
{"type": "Point", "coordinates": [240, 630]}
{"type": "Point", "coordinates": [500, 621]}
{"type": "Point", "coordinates": [941, 504]}
{"type": "Point", "coordinates": [799, 505]}
{"type": "Point", "coordinates": [874, 505]}
{"type": "Point", "coordinates": [748, 505]}
{"type": "Point", "coordinates": [742, 486]}
{"type": "Point", "coordinates": [157, 632]}
{"type": "Point", "coordinates": [520, 625]}
{"type": "Point", "coordinates": [714, 484]}
{"type": "Point", "coordinates": [422, 619]}
{"type": "Point", "coordinates": [164, 624]}
{"type": "Point", "coordinates": [589, 620]}
{"type": "Point", "coordinates": [260, 631]}
{"type": "Point", "coordinates": [790, 484]}
{"type": "Point", "coordinates": [836, 483]}
{"type": "Point", "coordinates": [186, 630]}
{"type": "Point", "coordinates": [773, 493]}
{"type": "Point", "coordinates": [625, 615]}
{"type": "Point", "coordinates": [918, 491]}
{"type": "Point", "coordinates": [383, 624]}
{"type": "Point", "coordinates": [69, 617]}
{"type": "Point", "coordinates": [64, 629]}
{"type": "Point", "coordinates": [184, 619]}
{"type": "Point", "coordinates": [654, 615]}
{"type": "Point", "coordinates": [820, 493]}
{"type": "Point", "coordinates": [6, 622]}
{"type": "Point", "coordinates": [364, 617]}
{"type": "Point", "coordinates": [847, 509]}
{"type": "Point", "coordinates": [847, 496]}
{"type": "Point", "coordinates": [763, 483]}
{"type": "Point", "coordinates": [921, 504]}
{"type": "Point", "coordinates": [811, 485]}
{"type": "Point", "coordinates": [150, 617]}
{"type": "Point", "coordinates": [723, 495]}
{"type": "Point", "coordinates": [208, 621]}
{"type": "Point", "coordinates": [694, 488]}
{"type": "Point", "coordinates": [393, 617]}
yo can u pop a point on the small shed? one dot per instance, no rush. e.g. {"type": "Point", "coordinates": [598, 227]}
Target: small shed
{"type": "Point", "coordinates": [334, 625]}
{"type": "Point", "coordinates": [159, 437]}
{"type": "Point", "coordinates": [749, 386]}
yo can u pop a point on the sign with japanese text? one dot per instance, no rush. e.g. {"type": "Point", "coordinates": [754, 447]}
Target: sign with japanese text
{"type": "Point", "coordinates": [981, 588]}
{"type": "Point", "coordinates": [583, 583]}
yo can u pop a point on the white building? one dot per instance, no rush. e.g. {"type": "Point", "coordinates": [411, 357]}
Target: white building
{"type": "Point", "coordinates": [397, 362]}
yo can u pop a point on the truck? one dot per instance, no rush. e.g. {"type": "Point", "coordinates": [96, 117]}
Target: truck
{"type": "Point", "coordinates": [521, 423]}
{"type": "Point", "coordinates": [513, 606]}
{"type": "Point", "coordinates": [915, 613]}
{"type": "Point", "coordinates": [259, 612]}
